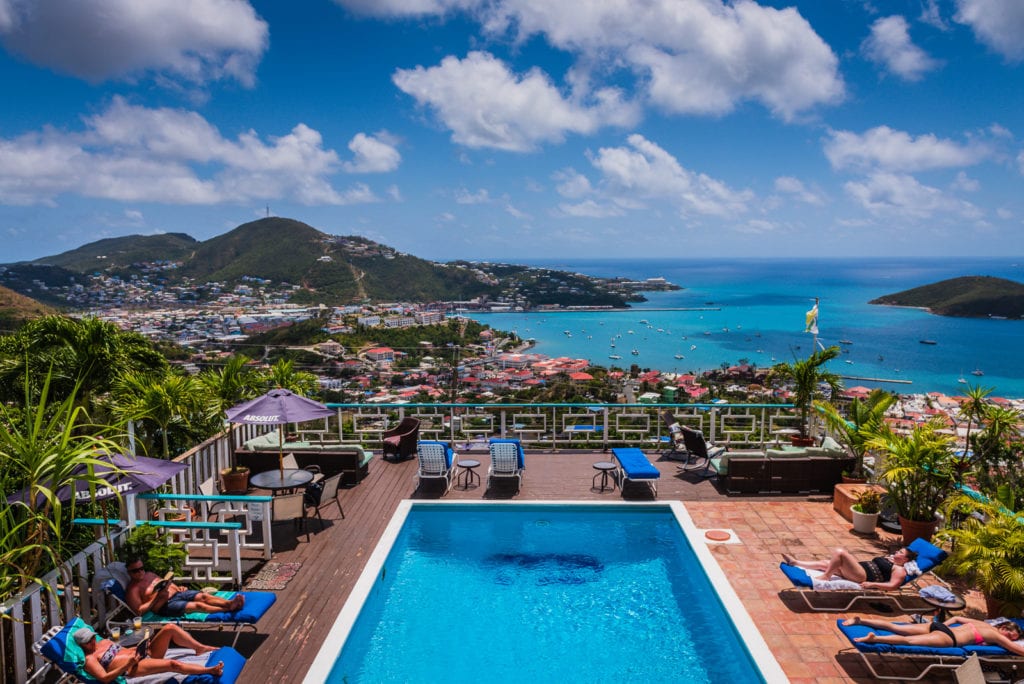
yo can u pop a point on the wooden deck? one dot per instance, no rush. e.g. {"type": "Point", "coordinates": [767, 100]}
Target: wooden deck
{"type": "Point", "coordinates": [806, 644]}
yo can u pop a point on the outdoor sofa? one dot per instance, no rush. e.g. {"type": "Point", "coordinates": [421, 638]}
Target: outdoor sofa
{"type": "Point", "coordinates": [351, 460]}
{"type": "Point", "coordinates": [784, 470]}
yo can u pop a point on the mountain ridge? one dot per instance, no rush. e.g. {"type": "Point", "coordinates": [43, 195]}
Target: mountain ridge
{"type": "Point", "coordinates": [964, 297]}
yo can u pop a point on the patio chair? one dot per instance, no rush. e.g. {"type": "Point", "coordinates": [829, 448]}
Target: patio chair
{"type": "Point", "coordinates": [113, 580]}
{"type": "Point", "coordinates": [328, 495]}
{"type": "Point", "coordinates": [677, 446]}
{"type": "Point", "coordinates": [507, 461]}
{"type": "Point", "coordinates": [932, 659]}
{"type": "Point", "coordinates": [906, 598]}
{"type": "Point", "coordinates": [634, 467]}
{"type": "Point", "coordinates": [59, 650]}
{"type": "Point", "coordinates": [290, 507]}
{"type": "Point", "coordinates": [400, 441]}
{"type": "Point", "coordinates": [700, 451]}
{"type": "Point", "coordinates": [437, 462]}
{"type": "Point", "coordinates": [289, 462]}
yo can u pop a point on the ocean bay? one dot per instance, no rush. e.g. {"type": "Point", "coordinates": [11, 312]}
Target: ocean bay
{"type": "Point", "coordinates": [753, 309]}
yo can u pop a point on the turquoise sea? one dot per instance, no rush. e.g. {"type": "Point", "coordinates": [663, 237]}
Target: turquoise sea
{"type": "Point", "coordinates": [761, 305]}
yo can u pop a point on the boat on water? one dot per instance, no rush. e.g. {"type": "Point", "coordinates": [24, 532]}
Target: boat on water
{"type": "Point", "coordinates": [692, 347]}
{"type": "Point", "coordinates": [845, 341]}
{"type": "Point", "coordinates": [635, 352]}
{"type": "Point", "coordinates": [614, 356]}
{"type": "Point", "coordinates": [962, 380]}
{"type": "Point", "coordinates": [927, 341]}
{"type": "Point", "coordinates": [680, 356]}
{"type": "Point", "coordinates": [978, 372]}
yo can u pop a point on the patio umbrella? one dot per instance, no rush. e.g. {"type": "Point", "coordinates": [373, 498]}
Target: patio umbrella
{"type": "Point", "coordinates": [278, 407]}
{"type": "Point", "coordinates": [124, 475]}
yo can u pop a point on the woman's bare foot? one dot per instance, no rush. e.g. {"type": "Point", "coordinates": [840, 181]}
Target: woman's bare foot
{"type": "Point", "coordinates": [867, 639]}
{"type": "Point", "coordinates": [203, 648]}
{"type": "Point", "coordinates": [849, 622]}
{"type": "Point", "coordinates": [217, 669]}
{"type": "Point", "coordinates": [237, 603]}
{"type": "Point", "coordinates": [788, 560]}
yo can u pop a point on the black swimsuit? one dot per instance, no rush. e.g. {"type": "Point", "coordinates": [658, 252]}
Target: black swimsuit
{"type": "Point", "coordinates": [944, 628]}
{"type": "Point", "coordinates": [877, 569]}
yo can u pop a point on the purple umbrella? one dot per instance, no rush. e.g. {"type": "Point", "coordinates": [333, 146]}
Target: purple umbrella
{"type": "Point", "coordinates": [136, 474]}
{"type": "Point", "coordinates": [278, 407]}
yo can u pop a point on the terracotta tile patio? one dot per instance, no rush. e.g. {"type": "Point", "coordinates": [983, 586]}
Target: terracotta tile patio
{"type": "Point", "coordinates": [806, 644]}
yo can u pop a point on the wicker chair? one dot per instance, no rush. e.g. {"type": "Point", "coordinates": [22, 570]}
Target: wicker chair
{"type": "Point", "coordinates": [400, 441]}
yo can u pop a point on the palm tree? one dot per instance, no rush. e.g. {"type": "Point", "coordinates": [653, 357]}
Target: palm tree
{"type": "Point", "coordinates": [232, 383]}
{"type": "Point", "coordinates": [807, 375]}
{"type": "Point", "coordinates": [284, 375]}
{"type": "Point", "coordinates": [43, 447]}
{"type": "Point", "coordinates": [862, 418]}
{"type": "Point", "coordinates": [973, 409]}
{"type": "Point", "coordinates": [163, 404]}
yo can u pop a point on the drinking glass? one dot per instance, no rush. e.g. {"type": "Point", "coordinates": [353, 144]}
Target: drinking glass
{"type": "Point", "coordinates": [137, 623]}
{"type": "Point", "coordinates": [115, 633]}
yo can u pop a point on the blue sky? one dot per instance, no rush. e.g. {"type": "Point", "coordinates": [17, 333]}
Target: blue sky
{"type": "Point", "coordinates": [518, 129]}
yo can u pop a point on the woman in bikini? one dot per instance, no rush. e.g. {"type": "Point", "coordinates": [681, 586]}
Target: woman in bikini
{"type": "Point", "coordinates": [106, 660]}
{"type": "Point", "coordinates": [883, 572]}
{"type": "Point", "coordinates": [956, 631]}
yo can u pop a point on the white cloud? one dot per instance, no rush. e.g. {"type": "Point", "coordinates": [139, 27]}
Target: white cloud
{"type": "Point", "coordinates": [571, 183]}
{"type": "Point", "coordinates": [194, 41]}
{"type": "Point", "coordinates": [1020, 162]}
{"type": "Point", "coordinates": [486, 105]}
{"type": "Point", "coordinates": [373, 154]}
{"type": "Point", "coordinates": [892, 150]}
{"type": "Point", "coordinates": [902, 195]}
{"type": "Point", "coordinates": [464, 196]}
{"type": "Point", "coordinates": [646, 170]}
{"type": "Point", "coordinates": [931, 15]}
{"type": "Point", "coordinates": [394, 193]}
{"type": "Point", "coordinates": [174, 156]}
{"type": "Point", "coordinates": [405, 8]}
{"type": "Point", "coordinates": [889, 45]}
{"type": "Point", "coordinates": [590, 209]}
{"type": "Point", "coordinates": [515, 212]}
{"type": "Point", "coordinates": [796, 188]}
{"type": "Point", "coordinates": [965, 183]}
{"type": "Point", "coordinates": [1004, 213]}
{"type": "Point", "coordinates": [999, 24]}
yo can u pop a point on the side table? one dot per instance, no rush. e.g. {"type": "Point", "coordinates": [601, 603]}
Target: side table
{"type": "Point", "coordinates": [943, 607]}
{"type": "Point", "coordinates": [468, 473]}
{"type": "Point", "coordinates": [605, 469]}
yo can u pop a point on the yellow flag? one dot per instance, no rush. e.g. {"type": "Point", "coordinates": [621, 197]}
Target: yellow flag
{"type": "Point", "coordinates": [812, 319]}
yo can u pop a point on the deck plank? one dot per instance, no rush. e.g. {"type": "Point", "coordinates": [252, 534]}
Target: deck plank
{"type": "Point", "coordinates": [292, 632]}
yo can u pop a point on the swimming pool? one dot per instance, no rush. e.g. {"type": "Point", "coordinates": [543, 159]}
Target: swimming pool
{"type": "Point", "coordinates": [543, 592]}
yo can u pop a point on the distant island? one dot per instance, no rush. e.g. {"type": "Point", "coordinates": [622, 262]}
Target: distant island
{"type": "Point", "coordinates": [965, 297]}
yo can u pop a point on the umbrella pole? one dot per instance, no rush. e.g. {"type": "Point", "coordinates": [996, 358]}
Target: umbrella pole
{"type": "Point", "coordinates": [106, 532]}
{"type": "Point", "coordinates": [280, 449]}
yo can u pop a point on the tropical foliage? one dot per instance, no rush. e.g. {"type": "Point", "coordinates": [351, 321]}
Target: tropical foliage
{"type": "Point", "coordinates": [807, 376]}
{"type": "Point", "coordinates": [918, 470]}
{"type": "Point", "coordinates": [863, 418]}
{"type": "Point", "coordinates": [987, 547]}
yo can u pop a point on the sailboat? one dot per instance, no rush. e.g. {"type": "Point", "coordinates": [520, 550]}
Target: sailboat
{"type": "Point", "coordinates": [978, 372]}
{"type": "Point", "coordinates": [962, 380]}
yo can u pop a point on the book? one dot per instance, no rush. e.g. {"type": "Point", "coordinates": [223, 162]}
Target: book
{"type": "Point", "coordinates": [142, 648]}
{"type": "Point", "coordinates": [162, 584]}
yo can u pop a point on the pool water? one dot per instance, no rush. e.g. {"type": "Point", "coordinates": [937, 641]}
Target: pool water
{"type": "Point", "coordinates": [542, 593]}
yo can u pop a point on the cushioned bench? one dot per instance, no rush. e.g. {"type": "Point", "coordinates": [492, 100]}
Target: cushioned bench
{"type": "Point", "coordinates": [634, 467]}
{"type": "Point", "coordinates": [350, 459]}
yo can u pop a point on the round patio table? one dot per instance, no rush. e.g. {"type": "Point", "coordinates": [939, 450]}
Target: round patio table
{"type": "Point", "coordinates": [275, 480]}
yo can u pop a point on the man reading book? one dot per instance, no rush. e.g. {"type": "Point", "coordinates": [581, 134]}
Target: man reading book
{"type": "Point", "coordinates": [149, 591]}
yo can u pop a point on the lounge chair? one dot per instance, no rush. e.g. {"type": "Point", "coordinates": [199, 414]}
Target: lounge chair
{"type": "Point", "coordinates": [930, 658]}
{"type": "Point", "coordinates": [400, 441]}
{"type": "Point", "coordinates": [700, 451]}
{"type": "Point", "coordinates": [928, 556]}
{"type": "Point", "coordinates": [634, 467]}
{"type": "Point", "coordinates": [437, 462]}
{"type": "Point", "coordinates": [675, 437]}
{"type": "Point", "coordinates": [114, 579]}
{"type": "Point", "coordinates": [507, 461]}
{"type": "Point", "coordinates": [60, 650]}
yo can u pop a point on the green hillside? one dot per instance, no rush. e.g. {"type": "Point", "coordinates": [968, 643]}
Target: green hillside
{"type": "Point", "coordinates": [15, 309]}
{"type": "Point", "coordinates": [966, 297]}
{"type": "Point", "coordinates": [115, 254]}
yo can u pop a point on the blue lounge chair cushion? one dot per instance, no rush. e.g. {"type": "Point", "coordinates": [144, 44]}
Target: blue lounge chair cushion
{"type": "Point", "coordinates": [635, 464]}
{"type": "Point", "coordinates": [928, 556]}
{"type": "Point", "coordinates": [449, 453]}
{"type": "Point", "coordinates": [519, 449]}
{"type": "Point", "coordinates": [257, 603]}
{"type": "Point", "coordinates": [67, 655]}
{"type": "Point", "coordinates": [854, 631]}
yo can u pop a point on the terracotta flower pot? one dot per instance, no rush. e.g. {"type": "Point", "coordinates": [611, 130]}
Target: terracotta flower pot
{"type": "Point", "coordinates": [798, 441]}
{"type": "Point", "coordinates": [234, 481]}
{"type": "Point", "coordinates": [916, 529]}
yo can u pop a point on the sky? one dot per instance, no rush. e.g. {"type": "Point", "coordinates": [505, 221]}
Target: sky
{"type": "Point", "coordinates": [519, 129]}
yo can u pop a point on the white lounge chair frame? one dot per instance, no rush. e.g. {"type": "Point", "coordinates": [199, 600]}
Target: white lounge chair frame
{"type": "Point", "coordinates": [505, 463]}
{"type": "Point", "coordinates": [434, 465]}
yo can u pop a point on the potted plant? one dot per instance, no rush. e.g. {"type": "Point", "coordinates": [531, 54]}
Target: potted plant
{"type": "Point", "coordinates": [862, 419]}
{"type": "Point", "coordinates": [918, 474]}
{"type": "Point", "coordinates": [988, 549]}
{"type": "Point", "coordinates": [156, 547]}
{"type": "Point", "coordinates": [234, 479]}
{"type": "Point", "coordinates": [807, 376]}
{"type": "Point", "coordinates": [865, 510]}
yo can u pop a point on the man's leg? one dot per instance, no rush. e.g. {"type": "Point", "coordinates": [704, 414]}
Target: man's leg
{"type": "Point", "coordinates": [173, 634]}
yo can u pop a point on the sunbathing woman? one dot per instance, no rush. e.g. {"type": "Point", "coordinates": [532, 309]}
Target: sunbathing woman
{"type": "Point", "coordinates": [105, 660]}
{"type": "Point", "coordinates": [883, 572]}
{"type": "Point", "coordinates": [956, 631]}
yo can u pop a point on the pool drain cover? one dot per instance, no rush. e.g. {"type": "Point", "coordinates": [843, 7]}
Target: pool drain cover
{"type": "Point", "coordinates": [718, 535]}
